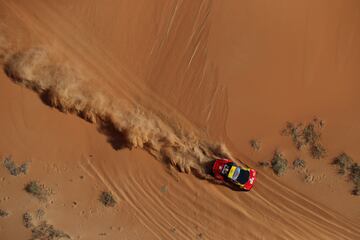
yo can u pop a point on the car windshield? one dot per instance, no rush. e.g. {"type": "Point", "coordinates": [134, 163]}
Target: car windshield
{"type": "Point", "coordinates": [243, 177]}
{"type": "Point", "coordinates": [236, 174]}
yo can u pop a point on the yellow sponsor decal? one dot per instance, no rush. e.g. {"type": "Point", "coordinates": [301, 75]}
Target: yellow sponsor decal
{"type": "Point", "coordinates": [232, 170]}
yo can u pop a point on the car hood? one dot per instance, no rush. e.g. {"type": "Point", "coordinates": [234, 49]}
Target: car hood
{"type": "Point", "coordinates": [252, 178]}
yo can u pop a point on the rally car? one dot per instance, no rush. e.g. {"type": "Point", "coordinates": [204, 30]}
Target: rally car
{"type": "Point", "coordinates": [226, 170]}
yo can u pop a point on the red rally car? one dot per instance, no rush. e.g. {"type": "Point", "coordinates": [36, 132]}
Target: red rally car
{"type": "Point", "coordinates": [227, 170]}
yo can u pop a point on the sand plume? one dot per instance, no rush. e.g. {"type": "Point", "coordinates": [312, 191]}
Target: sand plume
{"type": "Point", "coordinates": [125, 124]}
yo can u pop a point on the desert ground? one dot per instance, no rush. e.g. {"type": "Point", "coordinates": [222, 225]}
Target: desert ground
{"type": "Point", "coordinates": [137, 98]}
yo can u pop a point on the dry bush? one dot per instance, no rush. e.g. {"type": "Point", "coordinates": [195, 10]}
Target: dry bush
{"type": "Point", "coordinates": [255, 144]}
{"type": "Point", "coordinates": [279, 164]}
{"type": "Point", "coordinates": [27, 220]}
{"type": "Point", "coordinates": [38, 190]}
{"type": "Point", "coordinates": [355, 177]}
{"type": "Point", "coordinates": [299, 163]}
{"type": "Point", "coordinates": [346, 165]}
{"type": "Point", "coordinates": [107, 199]}
{"type": "Point", "coordinates": [41, 230]}
{"type": "Point", "coordinates": [295, 132]}
{"type": "Point", "coordinates": [13, 169]}
{"type": "Point", "coordinates": [263, 164]}
{"type": "Point", "coordinates": [45, 231]}
{"type": "Point", "coordinates": [317, 151]}
{"type": "Point", "coordinates": [3, 213]}
{"type": "Point", "coordinates": [343, 161]}
{"type": "Point", "coordinates": [308, 135]}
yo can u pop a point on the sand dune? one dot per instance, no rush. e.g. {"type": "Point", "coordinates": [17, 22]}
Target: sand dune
{"type": "Point", "coordinates": [180, 80]}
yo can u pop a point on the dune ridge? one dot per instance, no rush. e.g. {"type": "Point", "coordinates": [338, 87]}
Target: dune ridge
{"type": "Point", "coordinates": [126, 125]}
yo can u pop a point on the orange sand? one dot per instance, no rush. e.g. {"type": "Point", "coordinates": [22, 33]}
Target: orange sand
{"type": "Point", "coordinates": [215, 71]}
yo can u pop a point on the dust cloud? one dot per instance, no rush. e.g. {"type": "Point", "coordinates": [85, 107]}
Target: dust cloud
{"type": "Point", "coordinates": [126, 125]}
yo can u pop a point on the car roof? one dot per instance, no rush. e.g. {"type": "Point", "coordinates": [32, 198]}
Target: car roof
{"type": "Point", "coordinates": [243, 176]}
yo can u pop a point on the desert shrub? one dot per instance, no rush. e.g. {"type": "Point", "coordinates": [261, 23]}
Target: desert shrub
{"type": "Point", "coordinates": [307, 135]}
{"type": "Point", "coordinates": [356, 191]}
{"type": "Point", "coordinates": [299, 163]}
{"type": "Point", "coordinates": [346, 165]}
{"type": "Point", "coordinates": [107, 199]}
{"type": "Point", "coordinates": [343, 161]}
{"type": "Point", "coordinates": [13, 169]}
{"type": "Point", "coordinates": [310, 134]}
{"type": "Point", "coordinates": [263, 164]}
{"type": "Point", "coordinates": [317, 151]}
{"type": "Point", "coordinates": [3, 213]}
{"type": "Point", "coordinates": [355, 177]}
{"type": "Point", "coordinates": [42, 231]}
{"type": "Point", "coordinates": [279, 164]}
{"type": "Point", "coordinates": [255, 144]}
{"type": "Point", "coordinates": [27, 220]}
{"type": "Point", "coordinates": [46, 231]}
{"type": "Point", "coordinates": [38, 190]}
{"type": "Point", "coordinates": [294, 131]}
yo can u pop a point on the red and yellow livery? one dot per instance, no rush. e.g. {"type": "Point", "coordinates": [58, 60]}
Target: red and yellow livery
{"type": "Point", "coordinates": [227, 170]}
